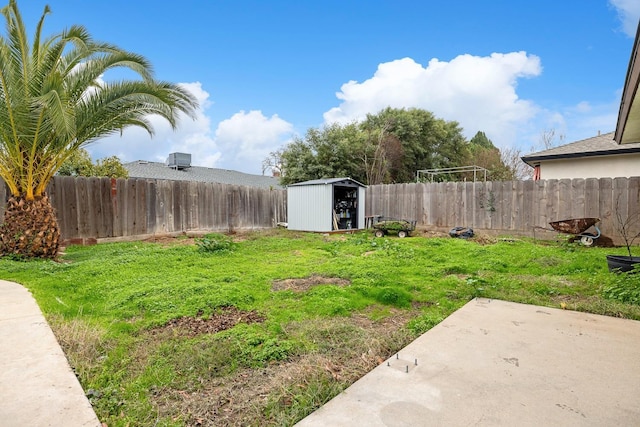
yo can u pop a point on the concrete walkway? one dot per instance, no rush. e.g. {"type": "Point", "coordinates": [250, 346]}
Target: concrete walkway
{"type": "Point", "coordinates": [37, 386]}
{"type": "Point", "coordinates": [495, 363]}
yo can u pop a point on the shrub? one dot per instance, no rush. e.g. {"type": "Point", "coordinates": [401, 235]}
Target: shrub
{"type": "Point", "coordinates": [215, 243]}
{"type": "Point", "coordinates": [624, 288]}
{"type": "Point", "coordinates": [392, 296]}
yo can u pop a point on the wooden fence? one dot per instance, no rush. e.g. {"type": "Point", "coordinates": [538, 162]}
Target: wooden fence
{"type": "Point", "coordinates": [89, 208]}
{"type": "Point", "coordinates": [519, 207]}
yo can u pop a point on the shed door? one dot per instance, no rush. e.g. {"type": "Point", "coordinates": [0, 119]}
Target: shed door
{"type": "Point", "coordinates": [345, 207]}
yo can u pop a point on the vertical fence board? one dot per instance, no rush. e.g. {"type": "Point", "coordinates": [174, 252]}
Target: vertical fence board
{"type": "Point", "coordinates": [151, 204]}
{"type": "Point", "coordinates": [118, 196]}
{"type": "Point", "coordinates": [458, 203]}
{"type": "Point", "coordinates": [516, 202]}
{"type": "Point", "coordinates": [564, 202]}
{"type": "Point", "coordinates": [177, 206]}
{"type": "Point", "coordinates": [85, 211]}
{"type": "Point", "coordinates": [140, 221]}
{"type": "Point", "coordinates": [493, 207]}
{"type": "Point", "coordinates": [468, 204]}
{"type": "Point", "coordinates": [620, 202]}
{"type": "Point", "coordinates": [591, 198]}
{"type": "Point", "coordinates": [96, 221]}
{"type": "Point", "coordinates": [633, 202]}
{"type": "Point", "coordinates": [440, 205]}
{"type": "Point", "coordinates": [552, 198]}
{"type": "Point", "coordinates": [578, 200]}
{"type": "Point", "coordinates": [167, 213]}
{"type": "Point", "coordinates": [106, 227]}
{"type": "Point", "coordinates": [505, 211]}
{"type": "Point", "coordinates": [527, 208]}
{"type": "Point", "coordinates": [420, 203]}
{"type": "Point", "coordinates": [70, 202]}
{"type": "Point", "coordinates": [478, 204]}
{"type": "Point", "coordinates": [200, 205]}
{"type": "Point", "coordinates": [131, 206]}
{"type": "Point", "coordinates": [606, 205]}
{"type": "Point", "coordinates": [429, 201]}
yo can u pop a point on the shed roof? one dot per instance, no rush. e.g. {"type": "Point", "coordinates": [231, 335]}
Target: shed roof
{"type": "Point", "coordinates": [157, 170]}
{"type": "Point", "coordinates": [601, 145]}
{"type": "Point", "coordinates": [328, 181]}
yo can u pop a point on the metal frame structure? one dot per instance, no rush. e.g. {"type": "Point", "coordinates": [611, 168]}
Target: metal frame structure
{"type": "Point", "coordinates": [459, 169]}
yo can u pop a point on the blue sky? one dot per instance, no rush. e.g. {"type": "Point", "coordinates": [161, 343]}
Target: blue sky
{"type": "Point", "coordinates": [267, 71]}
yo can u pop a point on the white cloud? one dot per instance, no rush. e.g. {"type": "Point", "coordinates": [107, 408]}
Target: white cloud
{"type": "Point", "coordinates": [478, 92]}
{"type": "Point", "coordinates": [191, 136]}
{"type": "Point", "coordinates": [247, 138]}
{"type": "Point", "coordinates": [583, 107]}
{"type": "Point", "coordinates": [240, 142]}
{"type": "Point", "coordinates": [629, 13]}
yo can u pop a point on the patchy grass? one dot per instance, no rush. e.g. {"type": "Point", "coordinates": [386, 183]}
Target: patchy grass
{"type": "Point", "coordinates": [184, 332]}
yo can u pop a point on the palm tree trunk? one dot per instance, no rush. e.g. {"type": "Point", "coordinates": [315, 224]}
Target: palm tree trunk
{"type": "Point", "coordinates": [30, 228]}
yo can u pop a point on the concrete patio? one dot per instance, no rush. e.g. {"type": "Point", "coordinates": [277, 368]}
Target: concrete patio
{"type": "Point", "coordinates": [499, 363]}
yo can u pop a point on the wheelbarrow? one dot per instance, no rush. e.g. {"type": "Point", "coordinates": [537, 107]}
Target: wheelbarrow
{"type": "Point", "coordinates": [401, 227]}
{"type": "Point", "coordinates": [578, 227]}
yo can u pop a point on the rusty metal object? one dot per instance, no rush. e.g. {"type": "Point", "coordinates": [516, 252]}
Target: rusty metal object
{"type": "Point", "coordinates": [574, 226]}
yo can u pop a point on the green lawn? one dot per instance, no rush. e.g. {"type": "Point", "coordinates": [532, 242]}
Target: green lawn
{"type": "Point", "coordinates": [295, 343]}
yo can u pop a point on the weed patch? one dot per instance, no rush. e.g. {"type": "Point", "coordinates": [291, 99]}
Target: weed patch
{"type": "Point", "coordinates": [215, 243]}
{"type": "Point", "coordinates": [85, 345]}
{"type": "Point", "coordinates": [624, 288]}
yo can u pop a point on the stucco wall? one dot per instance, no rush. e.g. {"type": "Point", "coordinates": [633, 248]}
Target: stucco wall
{"type": "Point", "coordinates": [627, 165]}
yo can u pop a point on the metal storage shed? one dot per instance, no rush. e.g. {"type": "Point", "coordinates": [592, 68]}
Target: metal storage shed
{"type": "Point", "coordinates": [326, 205]}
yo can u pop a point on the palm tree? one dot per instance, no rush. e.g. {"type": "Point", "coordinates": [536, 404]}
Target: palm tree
{"type": "Point", "coordinates": [53, 102]}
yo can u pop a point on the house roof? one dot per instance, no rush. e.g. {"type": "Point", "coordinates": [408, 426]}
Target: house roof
{"type": "Point", "coordinates": [601, 145]}
{"type": "Point", "coordinates": [157, 170]}
{"type": "Point", "coordinates": [628, 126]}
{"type": "Point", "coordinates": [327, 181]}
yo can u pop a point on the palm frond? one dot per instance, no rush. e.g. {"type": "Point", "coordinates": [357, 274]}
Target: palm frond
{"type": "Point", "coordinates": [52, 101]}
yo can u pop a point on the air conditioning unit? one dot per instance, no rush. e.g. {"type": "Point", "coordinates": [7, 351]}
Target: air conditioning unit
{"type": "Point", "coordinates": [179, 160]}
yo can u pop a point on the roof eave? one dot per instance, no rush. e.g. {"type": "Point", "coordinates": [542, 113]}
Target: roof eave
{"type": "Point", "coordinates": [326, 181]}
{"type": "Point", "coordinates": [535, 159]}
{"type": "Point", "coordinates": [628, 131]}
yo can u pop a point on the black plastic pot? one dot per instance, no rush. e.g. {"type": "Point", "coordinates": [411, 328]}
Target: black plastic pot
{"type": "Point", "coordinates": [621, 264]}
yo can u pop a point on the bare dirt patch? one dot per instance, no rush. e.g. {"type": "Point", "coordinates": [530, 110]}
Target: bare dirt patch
{"type": "Point", "coordinates": [167, 240]}
{"type": "Point", "coordinates": [306, 283]}
{"type": "Point", "coordinates": [483, 239]}
{"type": "Point", "coordinates": [347, 349]}
{"type": "Point", "coordinates": [431, 233]}
{"type": "Point", "coordinates": [222, 319]}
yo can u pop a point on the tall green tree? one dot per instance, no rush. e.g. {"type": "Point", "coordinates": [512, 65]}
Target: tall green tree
{"type": "Point", "coordinates": [480, 139]}
{"type": "Point", "coordinates": [326, 152]}
{"type": "Point", "coordinates": [426, 141]}
{"type": "Point", "coordinates": [78, 164]}
{"type": "Point", "coordinates": [111, 167]}
{"type": "Point", "coordinates": [483, 153]}
{"type": "Point", "coordinates": [53, 102]}
{"type": "Point", "coordinates": [381, 153]}
{"type": "Point", "coordinates": [386, 147]}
